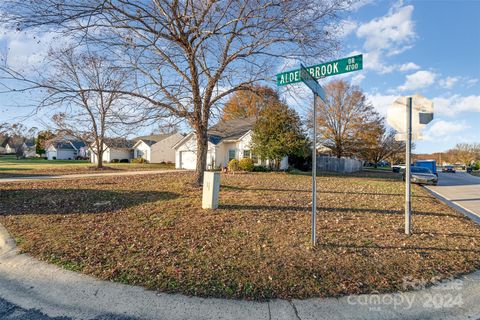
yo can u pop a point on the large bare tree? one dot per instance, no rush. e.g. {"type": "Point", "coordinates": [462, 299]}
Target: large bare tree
{"type": "Point", "coordinates": [346, 122]}
{"type": "Point", "coordinates": [189, 55]}
{"type": "Point", "coordinates": [83, 88]}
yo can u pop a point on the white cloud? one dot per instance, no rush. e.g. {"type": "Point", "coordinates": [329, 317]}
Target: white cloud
{"type": "Point", "coordinates": [453, 105]}
{"type": "Point", "coordinates": [357, 79]}
{"type": "Point", "coordinates": [448, 82]}
{"type": "Point", "coordinates": [390, 32]}
{"type": "Point", "coordinates": [388, 35]}
{"type": "Point", "coordinates": [442, 129]}
{"type": "Point", "coordinates": [409, 66]}
{"type": "Point", "coordinates": [418, 80]}
{"type": "Point", "coordinates": [472, 82]}
{"type": "Point", "coordinates": [380, 102]}
{"type": "Point", "coordinates": [27, 49]}
{"type": "Point", "coordinates": [347, 27]}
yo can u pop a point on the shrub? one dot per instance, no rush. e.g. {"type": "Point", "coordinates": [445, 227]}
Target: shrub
{"type": "Point", "coordinates": [246, 164]}
{"type": "Point", "coordinates": [139, 160]}
{"type": "Point", "coordinates": [233, 165]}
{"type": "Point", "coordinates": [476, 165]}
{"type": "Point", "coordinates": [260, 169]}
{"type": "Point", "coordinates": [115, 161]}
{"type": "Point", "coordinates": [124, 161]}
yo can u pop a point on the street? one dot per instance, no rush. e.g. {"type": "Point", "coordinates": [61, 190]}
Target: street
{"type": "Point", "coordinates": [460, 188]}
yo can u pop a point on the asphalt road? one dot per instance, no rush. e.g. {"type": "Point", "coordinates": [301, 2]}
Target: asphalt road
{"type": "Point", "coordinates": [460, 188]}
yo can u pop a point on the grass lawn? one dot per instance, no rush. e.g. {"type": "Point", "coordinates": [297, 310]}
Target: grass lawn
{"type": "Point", "coordinates": [11, 167]}
{"type": "Point", "coordinates": [151, 231]}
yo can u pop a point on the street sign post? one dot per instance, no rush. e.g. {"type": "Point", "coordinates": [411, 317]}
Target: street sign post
{"type": "Point", "coordinates": [309, 76]}
{"type": "Point", "coordinates": [408, 153]}
{"type": "Point", "coordinates": [319, 71]}
{"type": "Point", "coordinates": [409, 115]}
{"type": "Point", "coordinates": [318, 91]}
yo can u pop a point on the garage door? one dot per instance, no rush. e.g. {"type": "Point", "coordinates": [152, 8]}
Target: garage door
{"type": "Point", "coordinates": [188, 160]}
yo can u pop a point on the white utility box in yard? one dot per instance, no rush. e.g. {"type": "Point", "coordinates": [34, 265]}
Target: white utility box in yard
{"type": "Point", "coordinates": [211, 188]}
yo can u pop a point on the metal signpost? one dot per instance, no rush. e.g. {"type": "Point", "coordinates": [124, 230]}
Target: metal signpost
{"type": "Point", "coordinates": [417, 112]}
{"type": "Point", "coordinates": [408, 152]}
{"type": "Point", "coordinates": [309, 76]}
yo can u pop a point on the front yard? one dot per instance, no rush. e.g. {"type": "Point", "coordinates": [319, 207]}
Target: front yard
{"type": "Point", "coordinates": [11, 167]}
{"type": "Point", "coordinates": [151, 231]}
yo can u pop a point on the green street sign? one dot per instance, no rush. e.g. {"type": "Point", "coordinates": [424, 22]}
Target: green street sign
{"type": "Point", "coordinates": [323, 70]}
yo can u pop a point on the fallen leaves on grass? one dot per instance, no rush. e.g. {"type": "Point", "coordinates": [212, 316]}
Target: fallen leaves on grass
{"type": "Point", "coordinates": [154, 233]}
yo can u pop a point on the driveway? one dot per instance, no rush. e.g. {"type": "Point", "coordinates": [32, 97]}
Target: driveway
{"type": "Point", "coordinates": [460, 188]}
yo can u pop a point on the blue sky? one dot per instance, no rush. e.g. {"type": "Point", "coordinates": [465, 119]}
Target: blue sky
{"type": "Point", "coordinates": [426, 47]}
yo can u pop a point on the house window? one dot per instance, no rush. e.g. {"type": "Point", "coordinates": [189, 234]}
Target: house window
{"type": "Point", "coordinates": [254, 158]}
{"type": "Point", "coordinates": [246, 153]}
{"type": "Point", "coordinates": [231, 154]}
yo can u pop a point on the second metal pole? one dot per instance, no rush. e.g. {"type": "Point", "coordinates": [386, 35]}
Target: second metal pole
{"type": "Point", "coordinates": [314, 174]}
{"type": "Point", "coordinates": [408, 152]}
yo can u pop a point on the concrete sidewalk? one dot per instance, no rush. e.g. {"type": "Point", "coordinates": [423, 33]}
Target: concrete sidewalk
{"type": "Point", "coordinates": [29, 284]}
{"type": "Point", "coordinates": [87, 175]}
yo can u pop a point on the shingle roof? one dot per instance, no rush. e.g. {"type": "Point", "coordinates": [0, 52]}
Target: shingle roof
{"type": "Point", "coordinates": [148, 142]}
{"type": "Point", "coordinates": [230, 129]}
{"type": "Point", "coordinates": [119, 143]}
{"type": "Point", "coordinates": [78, 144]}
{"type": "Point", "coordinates": [153, 137]}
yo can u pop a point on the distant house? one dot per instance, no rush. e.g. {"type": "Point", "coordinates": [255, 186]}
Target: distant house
{"type": "Point", "coordinates": [115, 150]}
{"type": "Point", "coordinates": [227, 140]}
{"type": "Point", "coordinates": [3, 144]}
{"type": "Point", "coordinates": [66, 149]}
{"type": "Point", "coordinates": [156, 148]}
{"type": "Point", "coordinates": [9, 148]}
{"type": "Point", "coordinates": [29, 149]}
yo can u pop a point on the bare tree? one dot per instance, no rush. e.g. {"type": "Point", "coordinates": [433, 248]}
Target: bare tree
{"type": "Point", "coordinates": [189, 55]}
{"type": "Point", "coordinates": [346, 122]}
{"type": "Point", "coordinates": [84, 88]}
{"type": "Point", "coordinates": [382, 146]}
{"type": "Point", "coordinates": [464, 153]}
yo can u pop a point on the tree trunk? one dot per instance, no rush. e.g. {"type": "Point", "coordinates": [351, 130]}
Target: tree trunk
{"type": "Point", "coordinates": [202, 149]}
{"type": "Point", "coordinates": [99, 159]}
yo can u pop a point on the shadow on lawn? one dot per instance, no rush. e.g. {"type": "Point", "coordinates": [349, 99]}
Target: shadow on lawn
{"type": "Point", "coordinates": [389, 247]}
{"type": "Point", "coordinates": [319, 191]}
{"type": "Point", "coordinates": [262, 207]}
{"type": "Point", "coordinates": [74, 201]}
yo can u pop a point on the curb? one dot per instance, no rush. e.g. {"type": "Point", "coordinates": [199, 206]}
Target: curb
{"type": "Point", "coordinates": [7, 244]}
{"type": "Point", "coordinates": [31, 284]}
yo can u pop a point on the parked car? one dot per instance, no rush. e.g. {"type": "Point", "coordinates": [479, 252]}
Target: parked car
{"type": "Point", "coordinates": [448, 169]}
{"type": "Point", "coordinates": [398, 168]}
{"type": "Point", "coordinates": [421, 175]}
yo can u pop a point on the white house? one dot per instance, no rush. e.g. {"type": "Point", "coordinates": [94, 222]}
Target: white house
{"type": "Point", "coordinates": [66, 149]}
{"type": "Point", "coordinates": [227, 140]}
{"type": "Point", "coordinates": [156, 148]}
{"type": "Point", "coordinates": [29, 149]}
{"type": "Point", "coordinates": [115, 150]}
{"type": "Point", "coordinates": [9, 148]}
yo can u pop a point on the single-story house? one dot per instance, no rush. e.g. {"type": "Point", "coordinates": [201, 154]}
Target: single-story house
{"type": "Point", "coordinates": [9, 148]}
{"type": "Point", "coordinates": [66, 149]}
{"type": "Point", "coordinates": [29, 149]}
{"type": "Point", "coordinates": [227, 140]}
{"type": "Point", "coordinates": [3, 143]}
{"type": "Point", "coordinates": [115, 150]}
{"type": "Point", "coordinates": [156, 148]}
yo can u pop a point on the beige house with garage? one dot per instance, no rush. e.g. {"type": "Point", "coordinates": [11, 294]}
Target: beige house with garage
{"type": "Point", "coordinates": [157, 148]}
{"type": "Point", "coordinates": [227, 140]}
